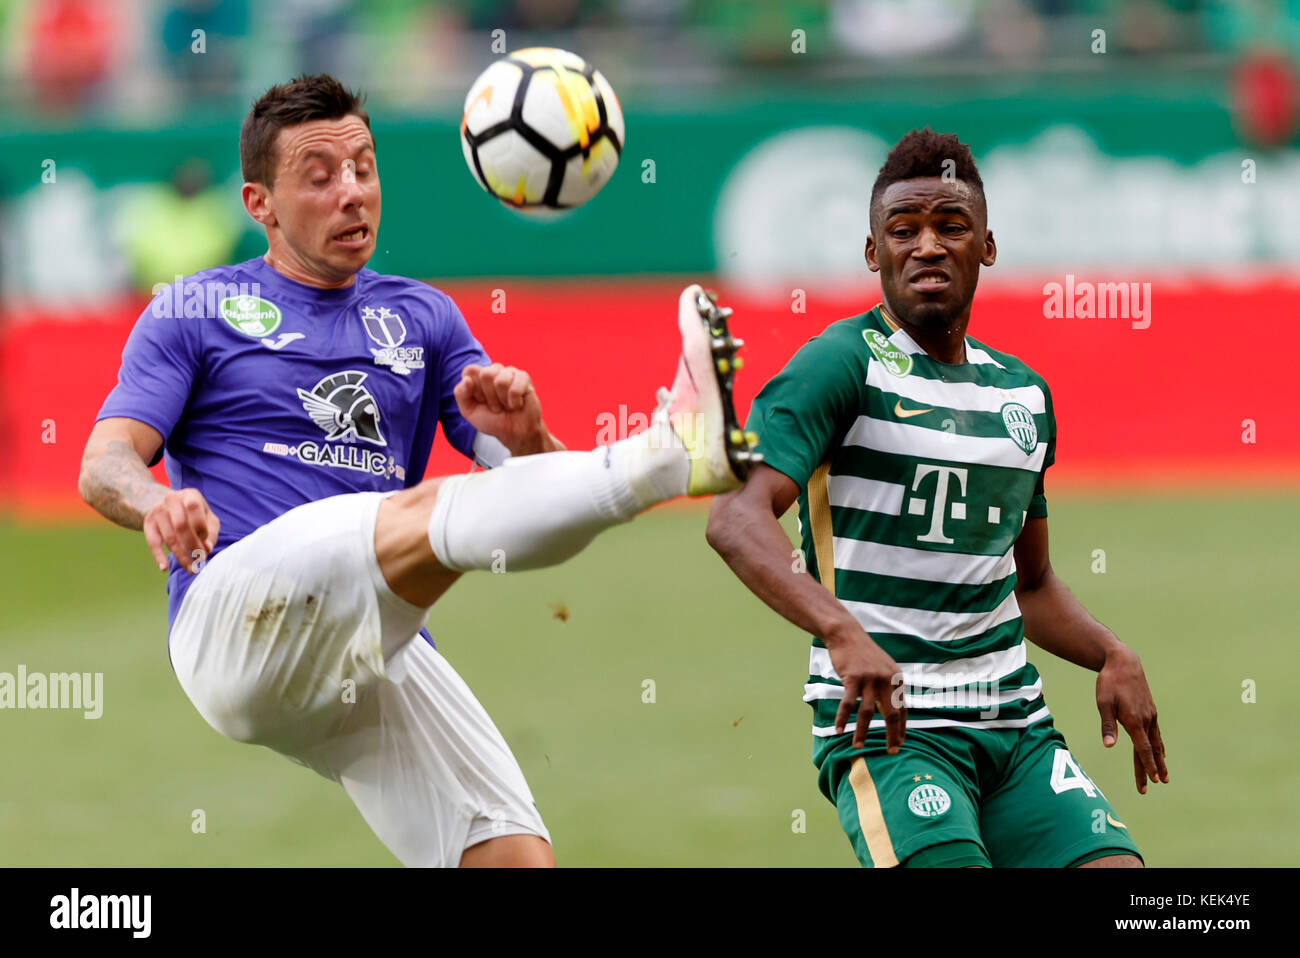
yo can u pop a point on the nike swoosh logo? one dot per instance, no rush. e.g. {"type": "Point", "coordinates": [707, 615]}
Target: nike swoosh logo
{"type": "Point", "coordinates": [902, 413]}
{"type": "Point", "coordinates": [1110, 819]}
{"type": "Point", "coordinates": [284, 340]}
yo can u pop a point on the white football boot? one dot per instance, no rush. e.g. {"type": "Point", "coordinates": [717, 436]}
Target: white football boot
{"type": "Point", "coordinates": [699, 407]}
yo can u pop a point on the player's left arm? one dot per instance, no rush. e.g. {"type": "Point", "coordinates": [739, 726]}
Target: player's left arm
{"type": "Point", "coordinates": [501, 401]}
{"type": "Point", "coordinates": [1057, 621]}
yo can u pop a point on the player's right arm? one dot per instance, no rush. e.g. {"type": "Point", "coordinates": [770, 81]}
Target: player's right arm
{"type": "Point", "coordinates": [801, 413]}
{"type": "Point", "coordinates": [160, 367]}
{"type": "Point", "coordinates": [744, 530]}
{"type": "Point", "coordinates": [115, 481]}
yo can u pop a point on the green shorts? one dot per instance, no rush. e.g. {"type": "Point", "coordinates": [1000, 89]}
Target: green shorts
{"type": "Point", "coordinates": [1016, 795]}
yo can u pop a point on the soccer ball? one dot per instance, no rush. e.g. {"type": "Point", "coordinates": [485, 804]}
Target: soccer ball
{"type": "Point", "coordinates": [542, 130]}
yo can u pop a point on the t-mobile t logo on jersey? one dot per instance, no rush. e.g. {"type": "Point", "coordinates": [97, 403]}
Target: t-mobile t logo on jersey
{"type": "Point", "coordinates": [916, 505]}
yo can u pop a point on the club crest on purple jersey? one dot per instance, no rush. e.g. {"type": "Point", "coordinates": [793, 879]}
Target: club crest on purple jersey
{"type": "Point", "coordinates": [386, 328]}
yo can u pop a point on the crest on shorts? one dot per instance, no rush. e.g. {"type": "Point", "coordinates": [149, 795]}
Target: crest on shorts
{"type": "Point", "coordinates": [895, 361]}
{"type": "Point", "coordinates": [1020, 426]}
{"type": "Point", "coordinates": [344, 408]}
{"type": "Point", "coordinates": [386, 328]}
{"type": "Point", "coordinates": [929, 801]}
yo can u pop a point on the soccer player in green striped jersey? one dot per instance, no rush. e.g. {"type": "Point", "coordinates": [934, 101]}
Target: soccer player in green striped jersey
{"type": "Point", "coordinates": [916, 454]}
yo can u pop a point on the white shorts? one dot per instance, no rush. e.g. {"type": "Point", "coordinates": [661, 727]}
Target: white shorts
{"type": "Point", "coordinates": [291, 638]}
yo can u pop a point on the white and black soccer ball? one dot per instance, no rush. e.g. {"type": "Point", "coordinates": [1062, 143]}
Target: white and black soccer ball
{"type": "Point", "coordinates": [542, 130]}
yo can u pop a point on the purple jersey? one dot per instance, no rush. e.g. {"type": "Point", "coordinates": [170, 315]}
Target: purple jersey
{"type": "Point", "coordinates": [269, 393]}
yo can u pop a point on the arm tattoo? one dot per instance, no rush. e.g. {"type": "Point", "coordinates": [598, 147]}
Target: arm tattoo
{"type": "Point", "coordinates": [117, 485]}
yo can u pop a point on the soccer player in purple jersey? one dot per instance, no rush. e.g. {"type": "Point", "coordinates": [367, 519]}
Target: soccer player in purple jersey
{"type": "Point", "coordinates": [294, 399]}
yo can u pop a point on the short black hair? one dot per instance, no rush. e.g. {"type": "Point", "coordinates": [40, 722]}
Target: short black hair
{"type": "Point", "coordinates": [301, 100]}
{"type": "Point", "coordinates": [923, 153]}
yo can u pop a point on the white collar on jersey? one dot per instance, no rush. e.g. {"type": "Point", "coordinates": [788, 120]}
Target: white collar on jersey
{"type": "Point", "coordinates": [914, 347]}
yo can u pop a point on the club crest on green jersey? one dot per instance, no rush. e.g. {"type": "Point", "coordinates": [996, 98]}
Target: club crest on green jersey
{"type": "Point", "coordinates": [895, 361]}
{"type": "Point", "coordinates": [1020, 427]}
{"type": "Point", "coordinates": [251, 315]}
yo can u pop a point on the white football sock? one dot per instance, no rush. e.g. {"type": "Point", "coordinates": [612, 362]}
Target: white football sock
{"type": "Point", "coordinates": [541, 510]}
{"type": "Point", "coordinates": [654, 463]}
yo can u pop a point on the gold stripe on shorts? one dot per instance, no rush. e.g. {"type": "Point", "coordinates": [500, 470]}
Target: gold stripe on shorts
{"type": "Point", "coordinates": [819, 517]}
{"type": "Point", "coordinates": [870, 818]}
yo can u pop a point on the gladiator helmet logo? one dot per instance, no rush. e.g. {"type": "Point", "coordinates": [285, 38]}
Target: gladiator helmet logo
{"type": "Point", "coordinates": [341, 406]}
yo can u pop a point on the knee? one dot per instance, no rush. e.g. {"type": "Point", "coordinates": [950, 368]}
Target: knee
{"type": "Point", "coordinates": [1114, 861]}
{"type": "Point", "coordinates": [509, 851]}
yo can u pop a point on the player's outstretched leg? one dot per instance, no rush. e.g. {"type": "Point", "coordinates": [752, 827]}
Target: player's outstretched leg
{"type": "Point", "coordinates": [540, 510]}
{"type": "Point", "coordinates": [298, 637]}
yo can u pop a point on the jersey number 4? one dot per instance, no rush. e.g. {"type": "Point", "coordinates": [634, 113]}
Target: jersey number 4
{"type": "Point", "coordinates": [1066, 775]}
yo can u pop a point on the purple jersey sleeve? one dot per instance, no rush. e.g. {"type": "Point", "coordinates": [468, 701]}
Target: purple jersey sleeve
{"type": "Point", "coordinates": [459, 349]}
{"type": "Point", "coordinates": [159, 366]}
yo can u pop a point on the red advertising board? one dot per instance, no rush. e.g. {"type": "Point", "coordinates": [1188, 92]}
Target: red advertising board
{"type": "Point", "coordinates": [1171, 404]}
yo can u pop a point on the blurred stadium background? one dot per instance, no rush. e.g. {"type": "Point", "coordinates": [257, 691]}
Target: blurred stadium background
{"type": "Point", "coordinates": [1161, 150]}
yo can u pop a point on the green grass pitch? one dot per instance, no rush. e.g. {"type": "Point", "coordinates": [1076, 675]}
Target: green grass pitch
{"type": "Point", "coordinates": [715, 770]}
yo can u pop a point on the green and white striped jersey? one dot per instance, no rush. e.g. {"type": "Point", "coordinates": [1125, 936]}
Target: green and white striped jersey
{"type": "Point", "coordinates": [915, 480]}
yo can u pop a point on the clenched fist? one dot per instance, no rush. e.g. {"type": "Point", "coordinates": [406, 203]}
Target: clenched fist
{"type": "Point", "coordinates": [501, 402]}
